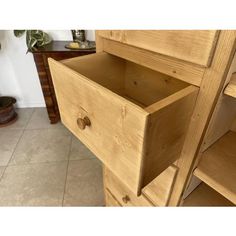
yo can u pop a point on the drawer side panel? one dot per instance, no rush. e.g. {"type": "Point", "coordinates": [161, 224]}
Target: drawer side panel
{"type": "Point", "coordinates": [167, 126]}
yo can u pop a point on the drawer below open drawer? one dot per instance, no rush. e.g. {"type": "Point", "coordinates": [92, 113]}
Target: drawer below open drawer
{"type": "Point", "coordinates": [121, 193]}
{"type": "Point", "coordinates": [132, 118]}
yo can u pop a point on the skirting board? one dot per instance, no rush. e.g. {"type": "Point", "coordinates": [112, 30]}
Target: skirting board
{"type": "Point", "coordinates": [29, 105]}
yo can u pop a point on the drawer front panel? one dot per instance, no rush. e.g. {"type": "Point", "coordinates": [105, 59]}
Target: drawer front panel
{"type": "Point", "coordinates": [110, 200]}
{"type": "Point", "coordinates": [123, 195]}
{"type": "Point", "coordinates": [117, 126]}
{"type": "Point", "coordinates": [196, 46]}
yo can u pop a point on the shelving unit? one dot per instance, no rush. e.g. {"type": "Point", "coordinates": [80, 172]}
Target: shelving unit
{"type": "Point", "coordinates": [217, 167]}
{"type": "Point", "coordinates": [204, 195]}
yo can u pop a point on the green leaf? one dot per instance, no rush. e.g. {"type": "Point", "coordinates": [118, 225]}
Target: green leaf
{"type": "Point", "coordinates": [36, 38]}
{"type": "Point", "coordinates": [19, 33]}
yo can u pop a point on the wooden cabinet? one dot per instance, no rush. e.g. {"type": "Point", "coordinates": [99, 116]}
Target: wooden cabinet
{"type": "Point", "coordinates": [139, 115]}
{"type": "Point", "coordinates": [56, 50]}
{"type": "Point", "coordinates": [215, 165]}
{"type": "Point", "coordinates": [121, 193]}
{"type": "Point", "coordinates": [149, 104]}
{"type": "Point", "coordinates": [196, 46]}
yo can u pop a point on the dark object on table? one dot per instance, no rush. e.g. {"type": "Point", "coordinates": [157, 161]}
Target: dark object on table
{"type": "Point", "coordinates": [81, 45]}
{"type": "Point", "coordinates": [57, 51]}
{"type": "Point", "coordinates": [7, 111]}
{"type": "Point", "coordinates": [78, 35]}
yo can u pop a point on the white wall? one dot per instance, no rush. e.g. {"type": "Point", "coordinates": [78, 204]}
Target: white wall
{"type": "Point", "coordinates": [18, 74]}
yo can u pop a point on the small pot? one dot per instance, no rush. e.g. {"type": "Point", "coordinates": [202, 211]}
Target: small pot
{"type": "Point", "coordinates": [7, 111]}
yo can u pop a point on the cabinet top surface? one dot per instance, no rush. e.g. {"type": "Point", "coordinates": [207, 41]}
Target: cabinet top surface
{"type": "Point", "coordinates": [59, 46]}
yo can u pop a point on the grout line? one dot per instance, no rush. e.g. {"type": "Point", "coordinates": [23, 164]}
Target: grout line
{"type": "Point", "coordinates": [11, 155]}
{"type": "Point", "coordinates": [86, 159]}
{"type": "Point", "coordinates": [36, 163]}
{"type": "Point", "coordinates": [29, 119]}
{"type": "Point", "coordinates": [63, 197]}
{"type": "Point", "coordinates": [23, 131]}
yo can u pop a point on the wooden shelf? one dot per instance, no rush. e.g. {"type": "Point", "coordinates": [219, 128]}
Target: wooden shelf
{"type": "Point", "coordinates": [230, 90]}
{"type": "Point", "coordinates": [159, 190]}
{"type": "Point", "coordinates": [217, 167]}
{"type": "Point", "coordinates": [204, 195]}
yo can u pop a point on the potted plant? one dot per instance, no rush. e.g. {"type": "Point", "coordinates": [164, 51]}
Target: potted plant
{"type": "Point", "coordinates": [34, 38]}
{"type": "Point", "coordinates": [7, 111]}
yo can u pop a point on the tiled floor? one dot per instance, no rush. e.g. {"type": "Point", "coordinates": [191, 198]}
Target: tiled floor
{"type": "Point", "coordinates": [45, 165]}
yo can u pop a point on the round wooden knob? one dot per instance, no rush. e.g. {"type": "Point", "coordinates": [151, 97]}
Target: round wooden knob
{"type": "Point", "coordinates": [125, 199]}
{"type": "Point", "coordinates": [83, 122]}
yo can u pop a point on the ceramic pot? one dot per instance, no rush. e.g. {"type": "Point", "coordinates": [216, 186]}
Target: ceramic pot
{"type": "Point", "coordinates": [7, 111]}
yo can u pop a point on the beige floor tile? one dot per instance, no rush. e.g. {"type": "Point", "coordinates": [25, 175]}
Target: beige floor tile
{"type": "Point", "coordinates": [84, 186]}
{"type": "Point", "coordinates": [40, 120]}
{"type": "Point", "coordinates": [1, 170]}
{"type": "Point", "coordinates": [45, 145]}
{"type": "Point", "coordinates": [24, 115]}
{"type": "Point", "coordinates": [8, 141]}
{"type": "Point", "coordinates": [33, 185]}
{"type": "Point", "coordinates": [79, 151]}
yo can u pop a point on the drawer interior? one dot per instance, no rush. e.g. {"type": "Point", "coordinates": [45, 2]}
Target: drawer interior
{"type": "Point", "coordinates": [134, 82]}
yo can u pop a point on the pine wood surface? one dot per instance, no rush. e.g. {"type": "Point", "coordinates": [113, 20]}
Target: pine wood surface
{"type": "Point", "coordinates": [196, 46]}
{"type": "Point", "coordinates": [205, 196]}
{"type": "Point", "coordinates": [217, 166]}
{"type": "Point", "coordinates": [211, 87]}
{"type": "Point", "coordinates": [118, 124]}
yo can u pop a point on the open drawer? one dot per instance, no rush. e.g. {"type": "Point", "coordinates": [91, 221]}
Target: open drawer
{"type": "Point", "coordinates": [132, 118]}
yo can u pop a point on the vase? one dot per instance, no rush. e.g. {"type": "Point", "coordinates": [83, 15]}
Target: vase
{"type": "Point", "coordinates": [7, 111]}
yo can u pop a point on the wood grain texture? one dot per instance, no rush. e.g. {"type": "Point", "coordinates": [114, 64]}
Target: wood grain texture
{"type": "Point", "coordinates": [217, 166]}
{"type": "Point", "coordinates": [176, 68]}
{"type": "Point", "coordinates": [120, 191]}
{"type": "Point", "coordinates": [110, 200]}
{"type": "Point", "coordinates": [205, 196]}
{"type": "Point", "coordinates": [111, 96]}
{"type": "Point", "coordinates": [99, 42]}
{"type": "Point", "coordinates": [148, 86]}
{"type": "Point", "coordinates": [159, 190]}
{"type": "Point", "coordinates": [230, 89]}
{"type": "Point", "coordinates": [224, 113]}
{"type": "Point", "coordinates": [210, 89]}
{"type": "Point", "coordinates": [221, 122]}
{"type": "Point", "coordinates": [163, 146]}
{"type": "Point", "coordinates": [117, 125]}
{"type": "Point", "coordinates": [196, 46]}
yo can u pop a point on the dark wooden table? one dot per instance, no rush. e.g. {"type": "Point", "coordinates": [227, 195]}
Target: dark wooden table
{"type": "Point", "coordinates": [57, 51]}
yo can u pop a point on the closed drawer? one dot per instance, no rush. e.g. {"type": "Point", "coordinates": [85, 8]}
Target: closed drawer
{"type": "Point", "coordinates": [132, 118]}
{"type": "Point", "coordinates": [196, 46]}
{"type": "Point", "coordinates": [124, 196]}
{"type": "Point", "coordinates": [110, 200]}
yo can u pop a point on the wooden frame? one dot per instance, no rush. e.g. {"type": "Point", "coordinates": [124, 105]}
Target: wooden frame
{"type": "Point", "coordinates": [122, 81]}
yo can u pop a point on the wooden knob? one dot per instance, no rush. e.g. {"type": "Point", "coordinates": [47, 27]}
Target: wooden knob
{"type": "Point", "coordinates": [83, 122]}
{"type": "Point", "coordinates": [125, 199]}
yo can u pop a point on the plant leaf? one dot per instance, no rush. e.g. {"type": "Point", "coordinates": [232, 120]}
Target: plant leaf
{"type": "Point", "coordinates": [19, 33]}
